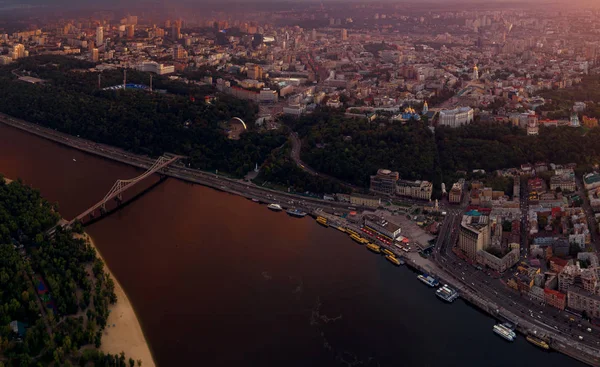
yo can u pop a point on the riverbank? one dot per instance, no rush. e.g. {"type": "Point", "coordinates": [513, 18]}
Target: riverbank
{"type": "Point", "coordinates": [123, 331]}
{"type": "Point", "coordinates": [494, 309]}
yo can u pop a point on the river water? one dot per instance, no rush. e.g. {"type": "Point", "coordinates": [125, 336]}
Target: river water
{"type": "Point", "coordinates": [218, 280]}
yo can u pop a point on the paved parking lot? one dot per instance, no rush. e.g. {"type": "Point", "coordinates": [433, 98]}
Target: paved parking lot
{"type": "Point", "coordinates": [409, 228]}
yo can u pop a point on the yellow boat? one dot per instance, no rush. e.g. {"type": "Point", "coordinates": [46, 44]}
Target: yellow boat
{"type": "Point", "coordinates": [341, 229]}
{"type": "Point", "coordinates": [393, 259]}
{"type": "Point", "coordinates": [322, 221]}
{"type": "Point", "coordinates": [388, 252]}
{"type": "Point", "coordinates": [537, 341]}
{"type": "Point", "coordinates": [357, 238]}
{"type": "Point", "coordinates": [374, 248]}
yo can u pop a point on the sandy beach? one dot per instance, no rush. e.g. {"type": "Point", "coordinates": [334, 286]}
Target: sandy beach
{"type": "Point", "coordinates": [126, 335]}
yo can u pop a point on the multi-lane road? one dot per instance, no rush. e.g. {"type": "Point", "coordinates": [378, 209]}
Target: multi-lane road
{"type": "Point", "coordinates": [567, 329]}
{"type": "Point", "coordinates": [180, 171]}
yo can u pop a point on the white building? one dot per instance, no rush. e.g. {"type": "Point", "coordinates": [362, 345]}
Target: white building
{"type": "Point", "coordinates": [382, 226]}
{"type": "Point", "coordinates": [156, 68]}
{"type": "Point", "coordinates": [456, 117]}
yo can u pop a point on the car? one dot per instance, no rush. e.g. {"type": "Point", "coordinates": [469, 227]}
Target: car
{"type": "Point", "coordinates": [580, 337]}
{"type": "Point", "coordinates": [589, 330]}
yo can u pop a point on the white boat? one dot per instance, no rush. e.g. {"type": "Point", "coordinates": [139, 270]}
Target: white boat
{"type": "Point", "coordinates": [504, 332]}
{"type": "Point", "coordinates": [275, 207]}
{"type": "Point", "coordinates": [447, 294]}
{"type": "Point", "coordinates": [74, 160]}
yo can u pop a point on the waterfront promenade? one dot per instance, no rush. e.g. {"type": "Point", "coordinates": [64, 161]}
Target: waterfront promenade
{"type": "Point", "coordinates": [496, 301]}
{"type": "Point", "coordinates": [238, 187]}
{"type": "Point", "coordinates": [179, 171]}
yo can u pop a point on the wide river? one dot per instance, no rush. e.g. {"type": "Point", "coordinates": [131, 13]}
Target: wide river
{"type": "Point", "coordinates": [218, 280]}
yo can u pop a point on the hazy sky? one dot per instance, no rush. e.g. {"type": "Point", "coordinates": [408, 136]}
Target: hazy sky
{"type": "Point", "coordinates": [170, 4]}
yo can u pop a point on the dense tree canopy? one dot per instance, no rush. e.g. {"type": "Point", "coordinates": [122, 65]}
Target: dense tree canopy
{"type": "Point", "coordinates": [281, 170]}
{"type": "Point", "coordinates": [493, 146]}
{"type": "Point", "coordinates": [179, 121]}
{"type": "Point", "coordinates": [53, 286]}
{"type": "Point", "coordinates": [353, 149]}
{"type": "Point", "coordinates": [350, 149]}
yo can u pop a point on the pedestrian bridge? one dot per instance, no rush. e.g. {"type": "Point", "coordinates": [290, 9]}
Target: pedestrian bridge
{"type": "Point", "coordinates": [120, 186]}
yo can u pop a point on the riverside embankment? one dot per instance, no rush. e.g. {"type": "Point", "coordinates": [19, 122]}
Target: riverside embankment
{"type": "Point", "coordinates": [206, 270]}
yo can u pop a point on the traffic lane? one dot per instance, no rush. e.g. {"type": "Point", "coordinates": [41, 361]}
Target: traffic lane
{"type": "Point", "coordinates": [535, 311]}
{"type": "Point", "coordinates": [513, 303]}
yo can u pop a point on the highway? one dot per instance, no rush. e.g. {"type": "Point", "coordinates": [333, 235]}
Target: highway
{"type": "Point", "coordinates": [562, 326]}
{"type": "Point", "coordinates": [488, 287]}
{"type": "Point", "coordinates": [180, 171]}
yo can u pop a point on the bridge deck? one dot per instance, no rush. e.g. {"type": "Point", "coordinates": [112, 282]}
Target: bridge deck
{"type": "Point", "coordinates": [123, 185]}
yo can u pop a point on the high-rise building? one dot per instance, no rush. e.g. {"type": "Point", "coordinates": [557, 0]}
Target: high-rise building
{"type": "Point", "coordinates": [132, 19]}
{"type": "Point", "coordinates": [99, 36]}
{"type": "Point", "coordinates": [474, 234]}
{"type": "Point", "coordinates": [130, 31]}
{"type": "Point", "coordinates": [179, 53]}
{"type": "Point", "coordinates": [18, 51]}
{"type": "Point", "coordinates": [94, 55]}
{"type": "Point", "coordinates": [344, 34]}
{"type": "Point", "coordinates": [384, 181]}
{"type": "Point", "coordinates": [176, 30]}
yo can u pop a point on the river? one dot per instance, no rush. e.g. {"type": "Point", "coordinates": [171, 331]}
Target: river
{"type": "Point", "coordinates": [218, 280]}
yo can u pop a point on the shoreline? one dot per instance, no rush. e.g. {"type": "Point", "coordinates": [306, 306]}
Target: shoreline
{"type": "Point", "coordinates": [484, 304]}
{"type": "Point", "coordinates": [126, 335]}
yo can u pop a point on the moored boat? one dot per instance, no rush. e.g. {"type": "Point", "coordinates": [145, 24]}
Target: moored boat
{"type": "Point", "coordinates": [388, 252]}
{"type": "Point", "coordinates": [505, 332]}
{"type": "Point", "coordinates": [429, 280]}
{"type": "Point", "coordinates": [322, 221]}
{"type": "Point", "coordinates": [393, 260]}
{"type": "Point", "coordinates": [275, 207]}
{"type": "Point", "coordinates": [537, 341]}
{"type": "Point", "coordinates": [357, 238]}
{"type": "Point", "coordinates": [447, 294]}
{"type": "Point", "coordinates": [373, 247]}
{"type": "Point", "coordinates": [296, 213]}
